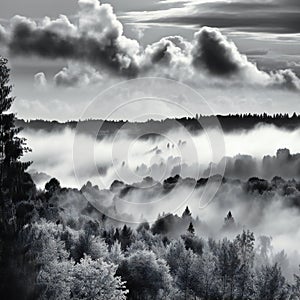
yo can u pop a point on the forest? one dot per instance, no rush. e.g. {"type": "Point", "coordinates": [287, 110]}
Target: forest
{"type": "Point", "coordinates": [47, 253]}
{"type": "Point", "coordinates": [228, 123]}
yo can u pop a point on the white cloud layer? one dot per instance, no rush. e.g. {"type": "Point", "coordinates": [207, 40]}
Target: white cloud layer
{"type": "Point", "coordinates": [96, 39]}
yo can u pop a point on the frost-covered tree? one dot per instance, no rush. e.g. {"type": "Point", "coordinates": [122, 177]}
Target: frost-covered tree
{"type": "Point", "coordinates": [174, 252]}
{"type": "Point", "coordinates": [296, 287]}
{"type": "Point", "coordinates": [55, 279]}
{"type": "Point", "coordinates": [48, 253]}
{"type": "Point", "coordinates": [186, 276]}
{"type": "Point", "coordinates": [244, 243]}
{"type": "Point", "coordinates": [88, 244]}
{"type": "Point", "coordinates": [228, 266]}
{"type": "Point", "coordinates": [270, 284]}
{"type": "Point", "coordinates": [208, 276]}
{"type": "Point", "coordinates": [95, 279]}
{"type": "Point", "coordinates": [184, 268]}
{"type": "Point", "coordinates": [116, 254]}
{"type": "Point", "coordinates": [146, 276]}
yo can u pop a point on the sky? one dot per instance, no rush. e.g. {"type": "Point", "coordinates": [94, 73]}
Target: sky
{"type": "Point", "coordinates": [240, 55]}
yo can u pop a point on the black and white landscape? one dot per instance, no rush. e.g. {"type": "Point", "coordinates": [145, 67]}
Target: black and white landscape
{"type": "Point", "coordinates": [150, 150]}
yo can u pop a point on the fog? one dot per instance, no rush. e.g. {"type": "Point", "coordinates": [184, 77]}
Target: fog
{"type": "Point", "coordinates": [129, 159]}
{"type": "Point", "coordinates": [267, 208]}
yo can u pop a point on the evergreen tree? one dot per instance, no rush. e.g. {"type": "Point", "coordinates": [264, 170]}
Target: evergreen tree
{"type": "Point", "coordinates": [270, 284]}
{"type": "Point", "coordinates": [186, 213]}
{"type": "Point", "coordinates": [245, 249]}
{"type": "Point", "coordinates": [296, 286]}
{"type": "Point", "coordinates": [126, 237]}
{"type": "Point", "coordinates": [191, 229]}
{"type": "Point", "coordinates": [16, 189]}
{"type": "Point", "coordinates": [229, 222]}
{"type": "Point", "coordinates": [12, 147]}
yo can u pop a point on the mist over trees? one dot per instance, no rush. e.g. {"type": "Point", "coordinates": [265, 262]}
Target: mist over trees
{"type": "Point", "coordinates": [49, 252]}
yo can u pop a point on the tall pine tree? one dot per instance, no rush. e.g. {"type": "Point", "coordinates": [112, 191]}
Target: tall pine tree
{"type": "Point", "coordinates": [15, 189]}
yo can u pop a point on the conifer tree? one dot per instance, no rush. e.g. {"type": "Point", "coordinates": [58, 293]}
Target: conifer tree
{"type": "Point", "coordinates": [191, 229]}
{"type": "Point", "coordinates": [12, 148]}
{"type": "Point", "coordinates": [16, 188]}
{"type": "Point", "coordinates": [186, 213]}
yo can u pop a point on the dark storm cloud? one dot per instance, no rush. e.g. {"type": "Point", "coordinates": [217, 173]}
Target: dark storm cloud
{"type": "Point", "coordinates": [273, 16]}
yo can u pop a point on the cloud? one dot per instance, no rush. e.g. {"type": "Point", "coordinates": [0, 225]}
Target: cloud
{"type": "Point", "coordinates": [3, 35]}
{"type": "Point", "coordinates": [40, 80]}
{"type": "Point", "coordinates": [285, 78]}
{"type": "Point", "coordinates": [77, 75]}
{"type": "Point", "coordinates": [210, 55]}
{"type": "Point", "coordinates": [171, 57]}
{"type": "Point", "coordinates": [272, 16]}
{"type": "Point", "coordinates": [214, 52]}
{"type": "Point", "coordinates": [256, 52]}
{"type": "Point", "coordinates": [97, 40]}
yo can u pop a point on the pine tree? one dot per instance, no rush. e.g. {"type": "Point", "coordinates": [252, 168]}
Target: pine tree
{"type": "Point", "coordinates": [270, 284]}
{"type": "Point", "coordinates": [245, 247]}
{"type": "Point", "coordinates": [191, 229]}
{"type": "Point", "coordinates": [296, 286]}
{"type": "Point", "coordinates": [16, 188]}
{"type": "Point", "coordinates": [126, 237]}
{"type": "Point", "coordinates": [186, 213]}
{"type": "Point", "coordinates": [229, 222]}
{"type": "Point", "coordinates": [12, 149]}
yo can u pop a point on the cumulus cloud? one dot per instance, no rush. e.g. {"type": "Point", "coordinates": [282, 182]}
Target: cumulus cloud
{"type": "Point", "coordinates": [210, 55]}
{"type": "Point", "coordinates": [219, 56]}
{"type": "Point", "coordinates": [170, 56]}
{"type": "Point", "coordinates": [97, 39]}
{"type": "Point", "coordinates": [77, 75]}
{"type": "Point", "coordinates": [286, 78]}
{"type": "Point", "coordinates": [40, 80]}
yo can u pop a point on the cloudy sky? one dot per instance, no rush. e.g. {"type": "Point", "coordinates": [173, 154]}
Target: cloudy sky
{"type": "Point", "coordinates": [240, 55]}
